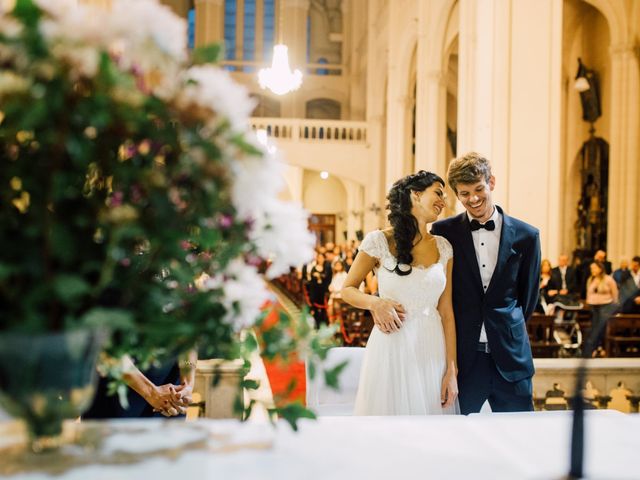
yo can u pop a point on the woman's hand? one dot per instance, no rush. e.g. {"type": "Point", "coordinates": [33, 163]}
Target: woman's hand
{"type": "Point", "coordinates": [449, 388]}
{"type": "Point", "coordinates": [387, 315]}
{"type": "Point", "coordinates": [166, 400]}
{"type": "Point", "coordinates": [183, 395]}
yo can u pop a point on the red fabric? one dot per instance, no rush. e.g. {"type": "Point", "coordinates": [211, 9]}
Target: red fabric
{"type": "Point", "coordinates": [281, 373]}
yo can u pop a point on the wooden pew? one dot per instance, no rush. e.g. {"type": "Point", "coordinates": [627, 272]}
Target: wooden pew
{"type": "Point", "coordinates": [623, 335]}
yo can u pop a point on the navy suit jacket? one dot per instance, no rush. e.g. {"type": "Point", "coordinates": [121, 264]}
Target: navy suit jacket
{"type": "Point", "coordinates": [509, 301]}
{"type": "Point", "coordinates": [555, 283]}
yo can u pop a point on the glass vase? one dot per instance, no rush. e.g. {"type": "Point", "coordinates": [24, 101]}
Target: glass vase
{"type": "Point", "coordinates": [48, 378]}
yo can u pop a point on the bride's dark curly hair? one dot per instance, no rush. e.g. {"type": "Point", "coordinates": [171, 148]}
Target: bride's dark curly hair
{"type": "Point", "coordinates": [405, 225]}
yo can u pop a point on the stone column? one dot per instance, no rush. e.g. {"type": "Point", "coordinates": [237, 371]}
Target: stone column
{"type": "Point", "coordinates": [209, 22]}
{"type": "Point", "coordinates": [509, 105]}
{"type": "Point", "coordinates": [483, 90]}
{"type": "Point", "coordinates": [355, 210]}
{"type": "Point", "coordinates": [431, 91]}
{"type": "Point", "coordinates": [623, 236]}
{"type": "Point", "coordinates": [293, 176]}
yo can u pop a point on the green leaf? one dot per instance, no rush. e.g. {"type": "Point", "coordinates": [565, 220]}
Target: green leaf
{"type": "Point", "coordinates": [207, 54]}
{"type": "Point", "coordinates": [27, 12]}
{"type": "Point", "coordinates": [250, 384]}
{"type": "Point", "coordinates": [331, 375]}
{"type": "Point", "coordinates": [294, 412]}
{"type": "Point", "coordinates": [107, 317]}
{"type": "Point", "coordinates": [70, 288]}
{"type": "Point", "coordinates": [5, 271]}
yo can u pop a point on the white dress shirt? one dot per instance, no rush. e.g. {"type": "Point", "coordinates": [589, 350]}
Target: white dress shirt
{"type": "Point", "coordinates": [487, 244]}
{"type": "Point", "coordinates": [636, 277]}
{"type": "Point", "coordinates": [563, 275]}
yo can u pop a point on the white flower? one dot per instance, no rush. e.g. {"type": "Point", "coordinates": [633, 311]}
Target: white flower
{"type": "Point", "coordinates": [244, 293]}
{"type": "Point", "coordinates": [278, 229]}
{"type": "Point", "coordinates": [214, 89]}
{"type": "Point", "coordinates": [137, 20]}
{"type": "Point", "coordinates": [282, 236]}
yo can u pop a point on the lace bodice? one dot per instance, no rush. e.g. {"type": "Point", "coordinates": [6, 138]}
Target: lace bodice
{"type": "Point", "coordinates": [420, 291]}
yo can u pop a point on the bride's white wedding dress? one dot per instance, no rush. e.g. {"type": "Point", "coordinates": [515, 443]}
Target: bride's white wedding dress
{"type": "Point", "coordinates": [402, 371]}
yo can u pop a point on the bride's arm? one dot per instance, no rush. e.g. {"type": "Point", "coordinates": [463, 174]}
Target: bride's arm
{"type": "Point", "coordinates": [387, 314]}
{"type": "Point", "coordinates": [445, 308]}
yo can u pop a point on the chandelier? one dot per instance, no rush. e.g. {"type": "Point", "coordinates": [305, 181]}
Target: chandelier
{"type": "Point", "coordinates": [279, 78]}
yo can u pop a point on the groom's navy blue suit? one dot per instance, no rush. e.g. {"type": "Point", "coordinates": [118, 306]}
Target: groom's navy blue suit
{"type": "Point", "coordinates": [504, 374]}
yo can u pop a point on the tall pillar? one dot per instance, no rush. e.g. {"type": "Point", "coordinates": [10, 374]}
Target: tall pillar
{"type": "Point", "coordinates": [355, 209]}
{"type": "Point", "coordinates": [623, 237]}
{"type": "Point", "coordinates": [293, 176]}
{"type": "Point", "coordinates": [209, 22]}
{"type": "Point", "coordinates": [483, 90]}
{"type": "Point", "coordinates": [375, 190]}
{"type": "Point", "coordinates": [294, 29]}
{"type": "Point", "coordinates": [431, 91]}
{"type": "Point", "coordinates": [509, 105]}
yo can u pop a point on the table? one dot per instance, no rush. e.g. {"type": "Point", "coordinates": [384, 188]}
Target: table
{"type": "Point", "coordinates": [493, 446]}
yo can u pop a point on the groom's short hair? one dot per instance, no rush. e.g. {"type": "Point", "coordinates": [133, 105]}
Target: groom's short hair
{"type": "Point", "coordinates": [470, 168]}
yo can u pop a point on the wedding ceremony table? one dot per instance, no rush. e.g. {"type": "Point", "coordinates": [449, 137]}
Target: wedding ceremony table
{"type": "Point", "coordinates": [493, 446]}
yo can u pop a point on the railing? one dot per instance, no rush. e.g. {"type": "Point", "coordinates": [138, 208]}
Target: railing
{"type": "Point", "coordinates": [312, 130]}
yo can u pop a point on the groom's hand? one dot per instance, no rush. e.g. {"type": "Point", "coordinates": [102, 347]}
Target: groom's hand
{"type": "Point", "coordinates": [388, 315]}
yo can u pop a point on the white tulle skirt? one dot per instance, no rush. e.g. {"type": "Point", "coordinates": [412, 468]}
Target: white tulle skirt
{"type": "Point", "coordinates": [402, 372]}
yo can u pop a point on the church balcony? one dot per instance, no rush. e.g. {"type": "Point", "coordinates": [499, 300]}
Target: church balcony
{"type": "Point", "coordinates": [340, 147]}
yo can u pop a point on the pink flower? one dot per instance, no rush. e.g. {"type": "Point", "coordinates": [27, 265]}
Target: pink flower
{"type": "Point", "coordinates": [116, 199]}
{"type": "Point", "coordinates": [225, 221]}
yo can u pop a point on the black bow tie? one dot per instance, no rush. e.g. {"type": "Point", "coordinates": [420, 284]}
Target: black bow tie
{"type": "Point", "coordinates": [476, 225]}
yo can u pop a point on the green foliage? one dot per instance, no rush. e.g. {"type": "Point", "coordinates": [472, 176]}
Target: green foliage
{"type": "Point", "coordinates": [115, 202]}
{"type": "Point", "coordinates": [207, 54]}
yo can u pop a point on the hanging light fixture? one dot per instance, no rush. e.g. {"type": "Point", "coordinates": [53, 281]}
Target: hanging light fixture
{"type": "Point", "coordinates": [279, 78]}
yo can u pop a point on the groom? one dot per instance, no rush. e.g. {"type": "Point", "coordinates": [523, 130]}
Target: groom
{"type": "Point", "coordinates": [496, 270]}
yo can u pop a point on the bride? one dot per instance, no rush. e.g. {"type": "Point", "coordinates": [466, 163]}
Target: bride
{"type": "Point", "coordinates": [409, 366]}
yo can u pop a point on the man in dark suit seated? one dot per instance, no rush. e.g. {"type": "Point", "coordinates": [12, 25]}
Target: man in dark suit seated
{"type": "Point", "coordinates": [564, 280]}
{"type": "Point", "coordinates": [632, 302]}
{"type": "Point", "coordinates": [622, 274]}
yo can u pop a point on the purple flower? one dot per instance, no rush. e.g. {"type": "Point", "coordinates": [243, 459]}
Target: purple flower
{"type": "Point", "coordinates": [225, 221]}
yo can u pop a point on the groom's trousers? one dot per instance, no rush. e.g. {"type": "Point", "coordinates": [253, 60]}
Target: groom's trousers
{"type": "Point", "coordinates": [484, 382]}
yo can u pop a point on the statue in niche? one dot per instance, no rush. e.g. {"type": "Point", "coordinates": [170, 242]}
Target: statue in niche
{"type": "Point", "coordinates": [325, 18]}
{"type": "Point", "coordinates": [591, 225]}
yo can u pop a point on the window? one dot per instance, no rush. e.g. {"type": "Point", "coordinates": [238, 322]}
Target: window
{"type": "Point", "coordinates": [249, 31]}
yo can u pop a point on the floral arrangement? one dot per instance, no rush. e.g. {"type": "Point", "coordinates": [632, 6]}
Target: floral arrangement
{"type": "Point", "coordinates": [133, 193]}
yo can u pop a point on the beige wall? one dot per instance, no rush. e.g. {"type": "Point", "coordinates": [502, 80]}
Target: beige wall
{"type": "Point", "coordinates": [515, 101]}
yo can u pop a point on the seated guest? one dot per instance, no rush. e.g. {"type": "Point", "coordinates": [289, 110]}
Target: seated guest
{"type": "Point", "coordinates": [631, 288]}
{"type": "Point", "coordinates": [634, 271]}
{"type": "Point", "coordinates": [632, 304]}
{"type": "Point", "coordinates": [622, 274]}
{"type": "Point", "coordinates": [544, 300]}
{"type": "Point", "coordinates": [564, 280]}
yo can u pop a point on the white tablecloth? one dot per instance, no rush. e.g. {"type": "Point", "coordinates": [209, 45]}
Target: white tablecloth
{"type": "Point", "coordinates": [495, 446]}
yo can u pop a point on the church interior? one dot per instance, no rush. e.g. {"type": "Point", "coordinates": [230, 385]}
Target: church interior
{"type": "Point", "coordinates": [354, 95]}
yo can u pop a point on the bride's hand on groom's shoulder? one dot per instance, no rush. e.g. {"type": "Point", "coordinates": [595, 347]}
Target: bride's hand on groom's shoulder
{"type": "Point", "coordinates": [387, 315]}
